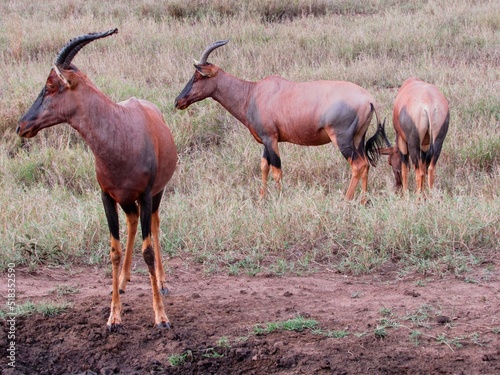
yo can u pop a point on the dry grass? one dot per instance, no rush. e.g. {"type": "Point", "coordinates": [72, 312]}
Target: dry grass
{"type": "Point", "coordinates": [50, 200]}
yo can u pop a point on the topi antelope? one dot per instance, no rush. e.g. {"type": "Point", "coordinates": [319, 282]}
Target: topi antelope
{"type": "Point", "coordinates": [304, 113]}
{"type": "Point", "coordinates": [135, 157]}
{"type": "Point", "coordinates": [421, 119]}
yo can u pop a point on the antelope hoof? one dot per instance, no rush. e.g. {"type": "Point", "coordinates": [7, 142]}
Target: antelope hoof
{"type": "Point", "coordinates": [120, 291]}
{"type": "Point", "coordinates": [114, 327]}
{"type": "Point", "coordinates": [164, 325]}
{"type": "Point", "coordinates": [164, 291]}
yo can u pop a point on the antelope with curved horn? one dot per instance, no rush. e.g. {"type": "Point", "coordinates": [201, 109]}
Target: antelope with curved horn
{"type": "Point", "coordinates": [304, 113]}
{"type": "Point", "coordinates": [135, 157]}
{"type": "Point", "coordinates": [421, 118]}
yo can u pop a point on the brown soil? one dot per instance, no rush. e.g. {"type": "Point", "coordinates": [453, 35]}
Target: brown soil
{"type": "Point", "coordinates": [214, 319]}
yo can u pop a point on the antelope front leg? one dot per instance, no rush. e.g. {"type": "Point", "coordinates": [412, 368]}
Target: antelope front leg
{"type": "Point", "coordinates": [159, 271]}
{"type": "Point", "coordinates": [146, 206]}
{"type": "Point", "coordinates": [115, 320]}
{"type": "Point", "coordinates": [264, 167]}
{"type": "Point", "coordinates": [271, 160]}
{"type": "Point", "coordinates": [161, 319]}
{"type": "Point", "coordinates": [132, 213]}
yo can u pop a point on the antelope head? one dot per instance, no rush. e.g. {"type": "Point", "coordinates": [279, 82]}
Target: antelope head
{"type": "Point", "coordinates": [56, 103]}
{"type": "Point", "coordinates": [201, 85]}
{"type": "Point", "coordinates": [395, 158]}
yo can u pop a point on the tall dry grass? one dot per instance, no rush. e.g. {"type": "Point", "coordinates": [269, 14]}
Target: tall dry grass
{"type": "Point", "coordinates": [50, 201]}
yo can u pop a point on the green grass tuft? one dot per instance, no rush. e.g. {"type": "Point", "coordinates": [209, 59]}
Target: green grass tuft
{"type": "Point", "coordinates": [30, 308]}
{"type": "Point", "coordinates": [296, 324]}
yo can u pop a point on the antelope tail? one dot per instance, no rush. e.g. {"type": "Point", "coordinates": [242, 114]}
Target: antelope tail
{"type": "Point", "coordinates": [373, 145]}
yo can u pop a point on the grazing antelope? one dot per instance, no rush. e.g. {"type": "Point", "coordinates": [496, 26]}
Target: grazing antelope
{"type": "Point", "coordinates": [304, 113]}
{"type": "Point", "coordinates": [421, 118]}
{"type": "Point", "coordinates": [135, 157]}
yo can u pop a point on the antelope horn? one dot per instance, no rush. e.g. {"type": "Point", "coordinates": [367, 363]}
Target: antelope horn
{"type": "Point", "coordinates": [209, 49]}
{"type": "Point", "coordinates": [69, 51]}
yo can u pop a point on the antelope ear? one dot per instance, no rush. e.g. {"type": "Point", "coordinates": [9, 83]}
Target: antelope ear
{"type": "Point", "coordinates": [62, 77]}
{"type": "Point", "coordinates": [205, 70]}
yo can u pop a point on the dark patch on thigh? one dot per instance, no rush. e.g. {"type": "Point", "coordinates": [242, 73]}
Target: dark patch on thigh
{"type": "Point", "coordinates": [255, 120]}
{"type": "Point", "coordinates": [438, 143]}
{"type": "Point", "coordinates": [148, 160]}
{"type": "Point", "coordinates": [343, 120]}
{"type": "Point", "coordinates": [410, 130]}
{"type": "Point", "coordinates": [443, 130]}
{"type": "Point", "coordinates": [259, 130]}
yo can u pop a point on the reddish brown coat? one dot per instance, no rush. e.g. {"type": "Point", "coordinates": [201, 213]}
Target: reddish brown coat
{"type": "Point", "coordinates": [421, 120]}
{"type": "Point", "coordinates": [304, 113]}
{"type": "Point", "coordinates": [135, 157]}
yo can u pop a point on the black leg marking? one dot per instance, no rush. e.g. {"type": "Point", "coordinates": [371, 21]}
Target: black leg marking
{"type": "Point", "coordinates": [265, 155]}
{"type": "Point", "coordinates": [272, 157]}
{"type": "Point", "coordinates": [146, 203]}
{"type": "Point", "coordinates": [156, 201]}
{"type": "Point", "coordinates": [345, 143]}
{"type": "Point", "coordinates": [111, 214]}
{"type": "Point", "coordinates": [405, 159]}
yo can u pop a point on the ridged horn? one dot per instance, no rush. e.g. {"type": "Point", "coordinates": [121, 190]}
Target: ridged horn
{"type": "Point", "coordinates": [69, 51]}
{"type": "Point", "coordinates": [209, 49]}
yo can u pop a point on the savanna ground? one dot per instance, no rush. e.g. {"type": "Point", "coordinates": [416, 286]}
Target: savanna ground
{"type": "Point", "coordinates": [303, 282]}
{"type": "Point", "coordinates": [382, 323]}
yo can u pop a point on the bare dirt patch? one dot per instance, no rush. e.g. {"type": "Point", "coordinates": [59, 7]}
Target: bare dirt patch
{"type": "Point", "coordinates": [395, 324]}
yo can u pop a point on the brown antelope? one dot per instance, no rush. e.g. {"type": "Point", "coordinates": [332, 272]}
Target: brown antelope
{"type": "Point", "coordinates": [421, 119]}
{"type": "Point", "coordinates": [135, 157]}
{"type": "Point", "coordinates": [304, 113]}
